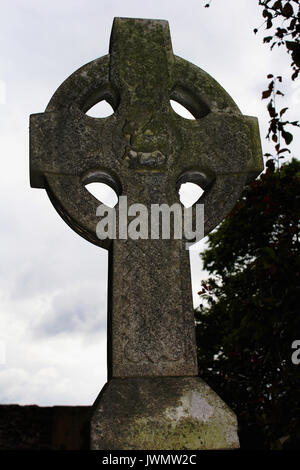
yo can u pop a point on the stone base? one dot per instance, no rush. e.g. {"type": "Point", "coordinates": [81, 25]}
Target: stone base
{"type": "Point", "coordinates": [161, 413]}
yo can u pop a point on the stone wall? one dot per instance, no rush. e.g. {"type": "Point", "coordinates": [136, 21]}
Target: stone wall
{"type": "Point", "coordinates": [36, 428]}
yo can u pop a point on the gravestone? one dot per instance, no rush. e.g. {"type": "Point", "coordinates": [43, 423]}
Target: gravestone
{"type": "Point", "coordinates": [153, 398]}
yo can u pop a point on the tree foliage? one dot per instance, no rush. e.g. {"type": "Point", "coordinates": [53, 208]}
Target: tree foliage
{"type": "Point", "coordinates": [282, 23]}
{"type": "Point", "coordinates": [281, 20]}
{"type": "Point", "coordinates": [250, 317]}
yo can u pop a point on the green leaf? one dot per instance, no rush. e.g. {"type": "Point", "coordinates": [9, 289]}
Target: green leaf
{"type": "Point", "coordinates": [294, 47]}
{"type": "Point", "coordinates": [269, 23]}
{"type": "Point", "coordinates": [288, 137]}
{"type": "Point", "coordinates": [277, 5]}
{"type": "Point", "coordinates": [266, 94]}
{"type": "Point", "coordinates": [287, 10]}
{"type": "Point", "coordinates": [283, 111]}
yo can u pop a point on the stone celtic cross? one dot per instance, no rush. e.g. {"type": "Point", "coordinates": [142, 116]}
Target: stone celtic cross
{"type": "Point", "coordinates": [145, 151]}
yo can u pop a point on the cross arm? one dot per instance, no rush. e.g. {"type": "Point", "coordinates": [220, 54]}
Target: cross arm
{"type": "Point", "coordinates": [226, 148]}
{"type": "Point", "coordinates": [43, 127]}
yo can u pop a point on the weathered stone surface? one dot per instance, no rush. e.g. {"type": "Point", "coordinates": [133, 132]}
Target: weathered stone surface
{"type": "Point", "coordinates": [162, 413]}
{"type": "Point", "coordinates": [144, 151]}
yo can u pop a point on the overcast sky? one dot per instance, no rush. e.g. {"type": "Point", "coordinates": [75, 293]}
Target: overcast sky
{"type": "Point", "coordinates": [52, 282]}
